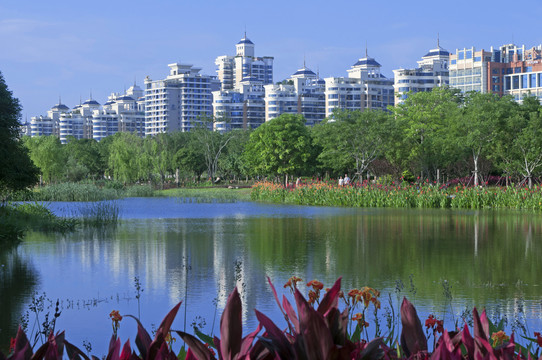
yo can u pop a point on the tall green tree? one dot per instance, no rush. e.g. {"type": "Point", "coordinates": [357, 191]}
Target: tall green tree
{"type": "Point", "coordinates": [124, 152]}
{"type": "Point", "coordinates": [232, 164]}
{"type": "Point", "coordinates": [84, 159]}
{"type": "Point", "coordinates": [482, 120]}
{"type": "Point", "coordinates": [16, 169]}
{"type": "Point", "coordinates": [212, 143]}
{"type": "Point", "coordinates": [352, 140]}
{"type": "Point", "coordinates": [280, 146]}
{"type": "Point", "coordinates": [423, 120]}
{"type": "Point", "coordinates": [522, 140]}
{"type": "Point", "coordinates": [49, 155]}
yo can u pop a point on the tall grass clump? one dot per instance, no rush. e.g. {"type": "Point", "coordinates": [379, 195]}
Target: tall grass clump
{"type": "Point", "coordinates": [75, 192]}
{"type": "Point", "coordinates": [100, 213]}
{"type": "Point", "coordinates": [139, 191]}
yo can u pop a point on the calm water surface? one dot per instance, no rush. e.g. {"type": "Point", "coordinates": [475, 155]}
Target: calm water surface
{"type": "Point", "coordinates": [184, 249]}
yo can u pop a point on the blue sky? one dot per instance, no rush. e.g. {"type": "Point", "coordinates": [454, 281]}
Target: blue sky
{"type": "Point", "coordinates": [70, 48]}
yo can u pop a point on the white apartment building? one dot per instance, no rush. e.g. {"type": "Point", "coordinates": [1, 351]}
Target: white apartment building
{"type": "Point", "coordinates": [47, 125]}
{"type": "Point", "coordinates": [89, 120]}
{"type": "Point", "coordinates": [180, 101]}
{"type": "Point", "coordinates": [242, 108]}
{"type": "Point", "coordinates": [364, 88]}
{"type": "Point", "coordinates": [432, 72]}
{"type": "Point", "coordinates": [121, 113]}
{"type": "Point", "coordinates": [302, 94]}
{"type": "Point", "coordinates": [233, 69]}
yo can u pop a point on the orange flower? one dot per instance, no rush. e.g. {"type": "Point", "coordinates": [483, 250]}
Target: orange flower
{"type": "Point", "coordinates": [115, 316]}
{"type": "Point", "coordinates": [313, 297]}
{"type": "Point", "coordinates": [499, 337]}
{"type": "Point", "coordinates": [430, 322]}
{"type": "Point", "coordinates": [292, 283]}
{"type": "Point", "coordinates": [316, 285]}
{"type": "Point", "coordinates": [360, 319]}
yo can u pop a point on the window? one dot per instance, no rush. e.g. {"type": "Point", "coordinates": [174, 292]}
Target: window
{"type": "Point", "coordinates": [524, 82]}
{"type": "Point", "coordinates": [453, 62]}
{"type": "Point", "coordinates": [533, 80]}
{"type": "Point", "coordinates": [517, 70]}
{"type": "Point", "coordinates": [468, 54]}
{"type": "Point", "coordinates": [460, 55]}
{"type": "Point", "coordinates": [477, 58]}
{"type": "Point", "coordinates": [515, 82]}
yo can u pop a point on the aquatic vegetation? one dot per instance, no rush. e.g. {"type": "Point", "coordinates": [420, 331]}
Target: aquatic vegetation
{"type": "Point", "coordinates": [401, 195]}
{"type": "Point", "coordinates": [318, 330]}
{"type": "Point", "coordinates": [99, 213]}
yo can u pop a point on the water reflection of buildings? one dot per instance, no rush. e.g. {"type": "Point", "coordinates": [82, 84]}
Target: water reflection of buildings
{"type": "Point", "coordinates": [208, 257]}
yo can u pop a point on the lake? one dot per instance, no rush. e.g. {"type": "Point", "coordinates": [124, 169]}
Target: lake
{"type": "Point", "coordinates": [196, 251]}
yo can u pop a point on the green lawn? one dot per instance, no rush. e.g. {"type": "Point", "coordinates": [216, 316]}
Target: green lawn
{"type": "Point", "coordinates": [209, 192]}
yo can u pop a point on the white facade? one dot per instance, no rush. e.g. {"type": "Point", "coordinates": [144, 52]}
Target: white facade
{"type": "Point", "coordinates": [364, 88]}
{"type": "Point", "coordinates": [179, 102]}
{"type": "Point", "coordinates": [432, 72]}
{"type": "Point", "coordinates": [302, 94]}
{"type": "Point", "coordinates": [89, 120]}
{"type": "Point", "coordinates": [243, 108]}
{"type": "Point", "coordinates": [233, 69]}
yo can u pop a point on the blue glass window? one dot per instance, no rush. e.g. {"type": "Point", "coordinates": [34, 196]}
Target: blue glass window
{"type": "Point", "coordinates": [477, 58]}
{"type": "Point", "coordinates": [533, 80]}
{"type": "Point", "coordinates": [517, 70]}
{"type": "Point", "coordinates": [453, 62]}
{"type": "Point", "coordinates": [468, 54]}
{"type": "Point", "coordinates": [515, 82]}
{"type": "Point", "coordinates": [460, 55]}
{"type": "Point", "coordinates": [524, 82]}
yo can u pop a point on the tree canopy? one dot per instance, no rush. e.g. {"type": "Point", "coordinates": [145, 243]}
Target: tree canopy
{"type": "Point", "coordinates": [280, 146]}
{"type": "Point", "coordinates": [16, 169]}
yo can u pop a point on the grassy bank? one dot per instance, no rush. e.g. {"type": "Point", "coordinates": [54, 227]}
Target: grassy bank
{"type": "Point", "coordinates": [402, 195]}
{"type": "Point", "coordinates": [16, 219]}
{"type": "Point", "coordinates": [242, 194]}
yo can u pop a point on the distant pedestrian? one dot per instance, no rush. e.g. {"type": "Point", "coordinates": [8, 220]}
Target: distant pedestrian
{"type": "Point", "coordinates": [297, 182]}
{"type": "Point", "coordinates": [341, 181]}
{"type": "Point", "coordinates": [346, 180]}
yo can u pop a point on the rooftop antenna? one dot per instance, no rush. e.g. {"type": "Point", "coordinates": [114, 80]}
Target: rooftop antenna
{"type": "Point", "coordinates": [366, 52]}
{"type": "Point", "coordinates": [245, 31]}
{"type": "Point", "coordinates": [318, 71]}
{"type": "Point", "coordinates": [304, 66]}
{"type": "Point", "coordinates": [59, 100]}
{"type": "Point", "coordinates": [135, 83]}
{"type": "Point", "coordinates": [90, 94]}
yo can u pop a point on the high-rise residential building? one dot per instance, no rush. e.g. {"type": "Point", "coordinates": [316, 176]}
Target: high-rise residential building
{"type": "Point", "coordinates": [509, 70]}
{"type": "Point", "coordinates": [523, 72]}
{"type": "Point", "coordinates": [364, 88]}
{"type": "Point", "coordinates": [302, 94]}
{"type": "Point", "coordinates": [121, 113]}
{"type": "Point", "coordinates": [432, 71]}
{"type": "Point", "coordinates": [240, 108]}
{"type": "Point", "coordinates": [179, 102]}
{"type": "Point", "coordinates": [90, 120]}
{"type": "Point", "coordinates": [469, 69]}
{"type": "Point", "coordinates": [233, 69]}
{"type": "Point", "coordinates": [48, 125]}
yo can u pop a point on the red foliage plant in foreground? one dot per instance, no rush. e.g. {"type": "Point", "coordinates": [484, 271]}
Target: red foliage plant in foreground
{"type": "Point", "coordinates": [311, 333]}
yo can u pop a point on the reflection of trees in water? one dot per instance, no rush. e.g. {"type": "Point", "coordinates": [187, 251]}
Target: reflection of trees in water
{"type": "Point", "coordinates": [17, 281]}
